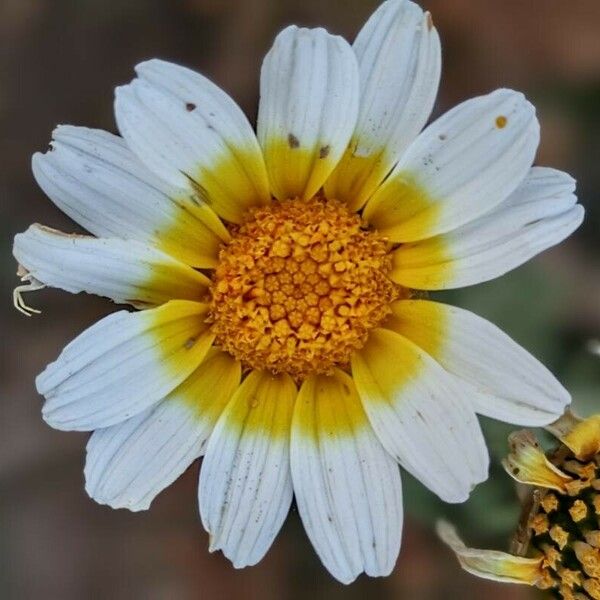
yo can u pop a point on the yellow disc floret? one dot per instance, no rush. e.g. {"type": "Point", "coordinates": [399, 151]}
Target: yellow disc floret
{"type": "Point", "coordinates": [299, 286]}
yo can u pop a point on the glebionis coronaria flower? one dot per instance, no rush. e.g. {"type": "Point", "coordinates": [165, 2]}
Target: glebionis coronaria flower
{"type": "Point", "coordinates": [281, 332]}
{"type": "Point", "coordinates": [557, 546]}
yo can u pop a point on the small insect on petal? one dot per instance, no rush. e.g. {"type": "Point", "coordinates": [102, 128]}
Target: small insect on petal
{"type": "Point", "coordinates": [31, 285]}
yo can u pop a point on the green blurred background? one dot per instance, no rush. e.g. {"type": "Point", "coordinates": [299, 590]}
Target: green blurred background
{"type": "Point", "coordinates": [60, 61]}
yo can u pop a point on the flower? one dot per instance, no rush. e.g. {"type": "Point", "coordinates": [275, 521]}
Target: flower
{"type": "Point", "coordinates": [558, 544]}
{"type": "Point", "coordinates": [281, 331]}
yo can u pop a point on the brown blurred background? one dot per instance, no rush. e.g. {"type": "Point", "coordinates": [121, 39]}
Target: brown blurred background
{"type": "Point", "coordinates": [59, 63]}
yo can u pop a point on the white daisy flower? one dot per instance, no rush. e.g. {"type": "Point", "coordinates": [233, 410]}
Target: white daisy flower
{"type": "Point", "coordinates": [280, 335]}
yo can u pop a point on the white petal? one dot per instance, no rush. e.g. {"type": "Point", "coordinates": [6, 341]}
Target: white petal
{"type": "Point", "coordinates": [462, 166]}
{"type": "Point", "coordinates": [193, 135]}
{"type": "Point", "coordinates": [94, 178]}
{"type": "Point", "coordinates": [541, 213]}
{"type": "Point", "coordinates": [123, 364]}
{"type": "Point", "coordinates": [418, 412]}
{"type": "Point", "coordinates": [308, 107]}
{"type": "Point", "coordinates": [245, 487]}
{"type": "Point", "coordinates": [399, 59]}
{"type": "Point", "coordinates": [128, 464]}
{"type": "Point", "coordinates": [124, 270]}
{"type": "Point", "coordinates": [347, 486]}
{"type": "Point", "coordinates": [501, 379]}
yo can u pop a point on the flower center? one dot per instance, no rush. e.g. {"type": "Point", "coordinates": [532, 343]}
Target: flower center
{"type": "Point", "coordinates": [299, 286]}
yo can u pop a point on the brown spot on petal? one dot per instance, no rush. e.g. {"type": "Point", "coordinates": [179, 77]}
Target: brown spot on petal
{"type": "Point", "coordinates": [324, 151]}
{"type": "Point", "coordinates": [293, 141]}
{"type": "Point", "coordinates": [200, 190]}
{"type": "Point", "coordinates": [190, 106]}
{"type": "Point", "coordinates": [501, 122]}
{"type": "Point", "coordinates": [429, 21]}
{"type": "Point", "coordinates": [190, 342]}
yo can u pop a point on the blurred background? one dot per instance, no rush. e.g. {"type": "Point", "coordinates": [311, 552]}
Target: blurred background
{"type": "Point", "coordinates": [59, 63]}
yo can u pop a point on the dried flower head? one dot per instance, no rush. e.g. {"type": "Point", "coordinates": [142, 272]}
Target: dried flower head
{"type": "Point", "coordinates": [557, 546]}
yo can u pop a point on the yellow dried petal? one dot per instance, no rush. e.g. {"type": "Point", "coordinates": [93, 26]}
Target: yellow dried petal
{"type": "Point", "coordinates": [584, 438]}
{"type": "Point", "coordinates": [527, 463]}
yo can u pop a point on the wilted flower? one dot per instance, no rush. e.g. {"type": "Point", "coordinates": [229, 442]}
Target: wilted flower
{"type": "Point", "coordinates": [280, 333]}
{"type": "Point", "coordinates": [558, 544]}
